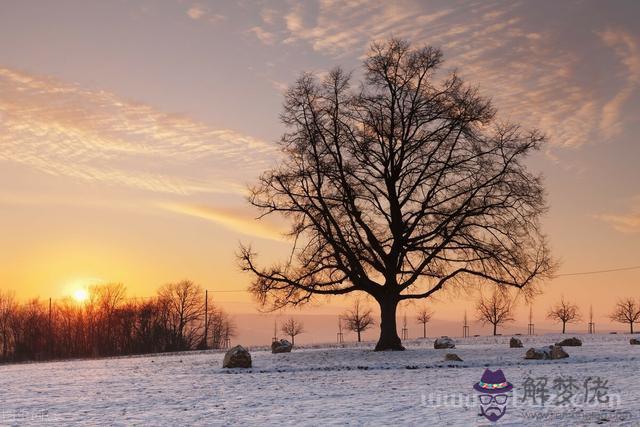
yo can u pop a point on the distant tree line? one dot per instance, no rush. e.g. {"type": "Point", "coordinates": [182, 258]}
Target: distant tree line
{"type": "Point", "coordinates": [108, 323]}
{"type": "Point", "coordinates": [497, 310]}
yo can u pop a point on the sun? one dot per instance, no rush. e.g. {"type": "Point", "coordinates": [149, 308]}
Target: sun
{"type": "Point", "coordinates": [81, 295]}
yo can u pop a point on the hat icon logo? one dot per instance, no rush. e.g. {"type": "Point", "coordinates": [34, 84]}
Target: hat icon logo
{"type": "Point", "coordinates": [493, 388]}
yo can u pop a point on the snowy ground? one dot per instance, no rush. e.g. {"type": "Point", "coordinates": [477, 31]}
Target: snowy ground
{"type": "Point", "coordinates": [328, 386]}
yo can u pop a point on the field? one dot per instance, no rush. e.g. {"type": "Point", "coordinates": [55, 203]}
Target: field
{"type": "Point", "coordinates": [330, 385]}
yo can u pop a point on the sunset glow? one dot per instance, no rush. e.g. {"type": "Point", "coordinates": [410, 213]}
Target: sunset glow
{"type": "Point", "coordinates": [81, 295]}
{"type": "Point", "coordinates": [126, 156]}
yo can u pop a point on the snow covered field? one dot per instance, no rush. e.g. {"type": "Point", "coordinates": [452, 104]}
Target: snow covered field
{"type": "Point", "coordinates": [331, 386]}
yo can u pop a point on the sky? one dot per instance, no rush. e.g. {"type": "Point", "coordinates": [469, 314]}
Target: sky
{"type": "Point", "coordinates": [129, 131]}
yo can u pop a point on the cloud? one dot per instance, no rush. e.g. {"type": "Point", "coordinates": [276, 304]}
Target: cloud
{"type": "Point", "coordinates": [236, 221]}
{"type": "Point", "coordinates": [262, 35]}
{"type": "Point", "coordinates": [200, 12]}
{"type": "Point", "coordinates": [62, 129]}
{"type": "Point", "coordinates": [626, 49]}
{"type": "Point", "coordinates": [532, 71]}
{"type": "Point", "coordinates": [627, 223]}
{"type": "Point", "coordinates": [624, 222]}
{"type": "Point", "coordinates": [196, 12]}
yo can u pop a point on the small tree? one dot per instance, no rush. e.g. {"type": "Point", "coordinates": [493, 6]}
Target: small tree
{"type": "Point", "coordinates": [358, 319]}
{"type": "Point", "coordinates": [292, 327]}
{"type": "Point", "coordinates": [626, 311]}
{"type": "Point", "coordinates": [424, 316]}
{"type": "Point", "coordinates": [564, 312]}
{"type": "Point", "coordinates": [496, 309]}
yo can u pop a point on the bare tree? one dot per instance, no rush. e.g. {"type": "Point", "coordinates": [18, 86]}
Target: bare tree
{"type": "Point", "coordinates": [184, 305]}
{"type": "Point", "coordinates": [626, 311]}
{"type": "Point", "coordinates": [564, 312]}
{"type": "Point", "coordinates": [292, 328]}
{"type": "Point", "coordinates": [8, 311]}
{"type": "Point", "coordinates": [108, 323]}
{"type": "Point", "coordinates": [221, 327]}
{"type": "Point", "coordinates": [107, 298]}
{"type": "Point", "coordinates": [399, 188]}
{"type": "Point", "coordinates": [358, 319]}
{"type": "Point", "coordinates": [424, 317]}
{"type": "Point", "coordinates": [496, 309]}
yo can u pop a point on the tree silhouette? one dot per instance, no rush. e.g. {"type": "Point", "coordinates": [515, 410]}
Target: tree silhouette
{"type": "Point", "coordinates": [564, 312]}
{"type": "Point", "coordinates": [496, 309]}
{"type": "Point", "coordinates": [358, 319]}
{"type": "Point", "coordinates": [424, 316]}
{"type": "Point", "coordinates": [399, 188]}
{"type": "Point", "coordinates": [626, 311]}
{"type": "Point", "coordinates": [292, 328]}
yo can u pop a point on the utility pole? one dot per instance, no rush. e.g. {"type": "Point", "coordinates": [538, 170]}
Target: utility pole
{"type": "Point", "coordinates": [206, 317]}
{"type": "Point", "coordinates": [592, 326]}
{"type": "Point", "coordinates": [465, 326]}
{"type": "Point", "coordinates": [50, 332]}
{"type": "Point", "coordinates": [340, 336]}
{"type": "Point", "coordinates": [405, 330]}
{"type": "Point", "coordinates": [531, 330]}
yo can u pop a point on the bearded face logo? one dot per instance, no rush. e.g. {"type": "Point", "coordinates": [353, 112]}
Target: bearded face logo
{"type": "Point", "coordinates": [492, 389]}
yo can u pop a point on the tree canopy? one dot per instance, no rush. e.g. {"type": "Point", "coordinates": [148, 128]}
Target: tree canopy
{"type": "Point", "coordinates": [398, 187]}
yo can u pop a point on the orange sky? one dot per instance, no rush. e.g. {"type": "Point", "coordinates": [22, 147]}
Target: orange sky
{"type": "Point", "coordinates": [129, 131]}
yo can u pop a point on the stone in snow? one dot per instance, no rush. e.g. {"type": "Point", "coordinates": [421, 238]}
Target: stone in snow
{"type": "Point", "coordinates": [452, 357]}
{"type": "Point", "coordinates": [237, 357]}
{"type": "Point", "coordinates": [634, 341]}
{"type": "Point", "coordinates": [551, 352]}
{"type": "Point", "coordinates": [444, 342]}
{"type": "Point", "coordinates": [570, 342]}
{"type": "Point", "coordinates": [281, 346]}
{"type": "Point", "coordinates": [515, 343]}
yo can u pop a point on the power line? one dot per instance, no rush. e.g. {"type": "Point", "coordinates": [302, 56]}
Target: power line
{"type": "Point", "coordinates": [582, 273]}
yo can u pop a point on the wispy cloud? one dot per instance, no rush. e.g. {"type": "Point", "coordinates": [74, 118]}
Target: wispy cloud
{"type": "Point", "coordinates": [62, 129]}
{"type": "Point", "coordinates": [199, 12]}
{"type": "Point", "coordinates": [236, 221]}
{"type": "Point", "coordinates": [531, 71]}
{"type": "Point", "coordinates": [264, 36]}
{"type": "Point", "coordinates": [628, 222]}
{"type": "Point", "coordinates": [626, 49]}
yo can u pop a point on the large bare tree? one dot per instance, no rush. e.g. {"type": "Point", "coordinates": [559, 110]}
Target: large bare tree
{"type": "Point", "coordinates": [358, 319]}
{"type": "Point", "coordinates": [399, 187]}
{"type": "Point", "coordinates": [626, 311]}
{"type": "Point", "coordinates": [564, 312]}
{"type": "Point", "coordinates": [495, 309]}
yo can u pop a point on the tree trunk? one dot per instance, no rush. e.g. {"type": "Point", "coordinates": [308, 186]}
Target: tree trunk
{"type": "Point", "coordinates": [631, 326]}
{"type": "Point", "coordinates": [495, 329]}
{"type": "Point", "coordinates": [293, 339]}
{"type": "Point", "coordinates": [424, 330]}
{"type": "Point", "coordinates": [389, 339]}
{"type": "Point", "coordinates": [564, 325]}
{"type": "Point", "coordinates": [358, 335]}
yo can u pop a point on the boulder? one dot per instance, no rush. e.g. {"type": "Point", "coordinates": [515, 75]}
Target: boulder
{"type": "Point", "coordinates": [634, 341]}
{"type": "Point", "coordinates": [452, 357]}
{"type": "Point", "coordinates": [444, 342]}
{"type": "Point", "coordinates": [237, 357]}
{"type": "Point", "coordinates": [281, 346]}
{"type": "Point", "coordinates": [557, 352]}
{"type": "Point", "coordinates": [551, 352]}
{"type": "Point", "coordinates": [570, 342]}
{"type": "Point", "coordinates": [515, 343]}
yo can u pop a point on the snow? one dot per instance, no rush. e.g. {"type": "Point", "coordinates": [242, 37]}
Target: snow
{"type": "Point", "coordinates": [321, 386]}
